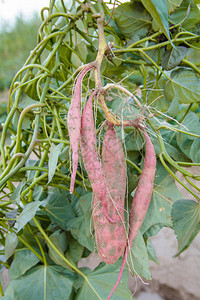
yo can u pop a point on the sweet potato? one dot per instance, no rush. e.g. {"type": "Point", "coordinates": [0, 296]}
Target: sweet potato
{"type": "Point", "coordinates": [74, 124]}
{"type": "Point", "coordinates": [90, 156]}
{"type": "Point", "coordinates": [142, 197]}
{"type": "Point", "coordinates": [141, 201]}
{"type": "Point", "coordinates": [111, 237]}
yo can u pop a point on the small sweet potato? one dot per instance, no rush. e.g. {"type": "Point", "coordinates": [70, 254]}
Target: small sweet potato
{"type": "Point", "coordinates": [74, 123]}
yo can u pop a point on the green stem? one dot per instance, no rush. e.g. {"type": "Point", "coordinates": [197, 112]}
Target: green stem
{"type": "Point", "coordinates": [26, 155]}
{"type": "Point", "coordinates": [187, 62]}
{"type": "Point", "coordinates": [58, 123]}
{"type": "Point", "coordinates": [145, 83]}
{"type": "Point", "coordinates": [176, 178]}
{"type": "Point", "coordinates": [160, 45]}
{"type": "Point", "coordinates": [31, 66]}
{"type": "Point", "coordinates": [11, 164]}
{"type": "Point", "coordinates": [192, 184]}
{"type": "Point", "coordinates": [155, 64]}
{"type": "Point", "coordinates": [164, 198]}
{"type": "Point", "coordinates": [32, 144]}
{"type": "Point", "coordinates": [53, 140]}
{"type": "Point", "coordinates": [166, 155]}
{"type": "Point", "coordinates": [43, 176]}
{"type": "Point", "coordinates": [188, 163]}
{"type": "Point", "coordinates": [41, 250]}
{"type": "Point", "coordinates": [47, 239]}
{"type": "Point", "coordinates": [31, 186]}
{"type": "Point", "coordinates": [149, 38]}
{"type": "Point", "coordinates": [1, 289]}
{"type": "Point", "coordinates": [30, 248]}
{"type": "Point", "coordinates": [21, 118]}
{"type": "Point", "coordinates": [133, 165]}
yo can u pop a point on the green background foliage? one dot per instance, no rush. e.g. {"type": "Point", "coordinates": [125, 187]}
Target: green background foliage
{"type": "Point", "coordinates": [153, 51]}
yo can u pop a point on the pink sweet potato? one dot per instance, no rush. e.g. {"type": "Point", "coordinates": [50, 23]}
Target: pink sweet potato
{"type": "Point", "coordinates": [111, 237]}
{"type": "Point", "coordinates": [90, 156]}
{"type": "Point", "coordinates": [141, 201]}
{"type": "Point", "coordinates": [142, 197]}
{"type": "Point", "coordinates": [74, 124]}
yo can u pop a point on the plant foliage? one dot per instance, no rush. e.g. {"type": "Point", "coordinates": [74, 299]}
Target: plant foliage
{"type": "Point", "coordinates": [152, 50]}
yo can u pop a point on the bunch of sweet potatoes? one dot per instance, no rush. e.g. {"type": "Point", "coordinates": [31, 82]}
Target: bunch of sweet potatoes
{"type": "Point", "coordinates": [108, 177]}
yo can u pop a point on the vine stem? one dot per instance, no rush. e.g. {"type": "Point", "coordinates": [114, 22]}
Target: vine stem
{"type": "Point", "coordinates": [26, 155]}
{"type": "Point", "coordinates": [175, 177]}
{"type": "Point", "coordinates": [47, 239]}
{"type": "Point", "coordinates": [21, 118]}
{"type": "Point", "coordinates": [30, 248]}
{"type": "Point", "coordinates": [1, 290]}
{"type": "Point", "coordinates": [32, 144]}
{"type": "Point", "coordinates": [166, 155]}
{"type": "Point", "coordinates": [134, 165]}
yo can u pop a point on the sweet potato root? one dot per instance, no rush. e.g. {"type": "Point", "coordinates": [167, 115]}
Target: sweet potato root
{"type": "Point", "coordinates": [90, 155]}
{"type": "Point", "coordinates": [141, 201]}
{"type": "Point", "coordinates": [74, 123]}
{"type": "Point", "coordinates": [111, 237]}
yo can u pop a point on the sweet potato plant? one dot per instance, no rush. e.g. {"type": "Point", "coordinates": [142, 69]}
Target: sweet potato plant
{"type": "Point", "coordinates": [102, 119]}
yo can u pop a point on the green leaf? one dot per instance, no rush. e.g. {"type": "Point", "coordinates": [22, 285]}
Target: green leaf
{"type": "Point", "coordinates": [195, 151]}
{"type": "Point", "coordinates": [151, 251]}
{"type": "Point", "coordinates": [186, 222]}
{"type": "Point", "coordinates": [187, 14]}
{"type": "Point", "coordinates": [164, 193]}
{"type": "Point", "coordinates": [173, 4]}
{"type": "Point", "coordinates": [59, 240]}
{"type": "Point", "coordinates": [154, 54]}
{"type": "Point", "coordinates": [26, 123]}
{"type": "Point", "coordinates": [24, 259]}
{"type": "Point", "coordinates": [174, 107]}
{"type": "Point", "coordinates": [184, 84]}
{"type": "Point", "coordinates": [31, 91]}
{"type": "Point", "coordinates": [53, 160]}
{"type": "Point", "coordinates": [155, 96]}
{"type": "Point", "coordinates": [189, 145]}
{"type": "Point", "coordinates": [39, 193]}
{"type": "Point", "coordinates": [191, 123]}
{"type": "Point", "coordinates": [75, 251]}
{"type": "Point", "coordinates": [159, 12]}
{"type": "Point", "coordinates": [132, 20]}
{"type": "Point", "coordinates": [59, 209]}
{"type": "Point", "coordinates": [171, 145]}
{"type": "Point", "coordinates": [16, 194]}
{"type": "Point", "coordinates": [134, 141]}
{"type": "Point", "coordinates": [138, 258]}
{"type": "Point", "coordinates": [26, 101]}
{"type": "Point", "coordinates": [173, 57]}
{"type": "Point", "coordinates": [42, 282]}
{"type": "Point", "coordinates": [11, 244]}
{"type": "Point", "coordinates": [80, 227]}
{"type": "Point", "coordinates": [27, 214]}
{"type": "Point", "coordinates": [103, 278]}
{"type": "Point", "coordinates": [193, 56]}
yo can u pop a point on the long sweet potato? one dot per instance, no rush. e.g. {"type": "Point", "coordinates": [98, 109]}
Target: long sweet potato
{"type": "Point", "coordinates": [141, 201]}
{"type": "Point", "coordinates": [74, 123]}
{"type": "Point", "coordinates": [111, 237]}
{"type": "Point", "coordinates": [90, 156]}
